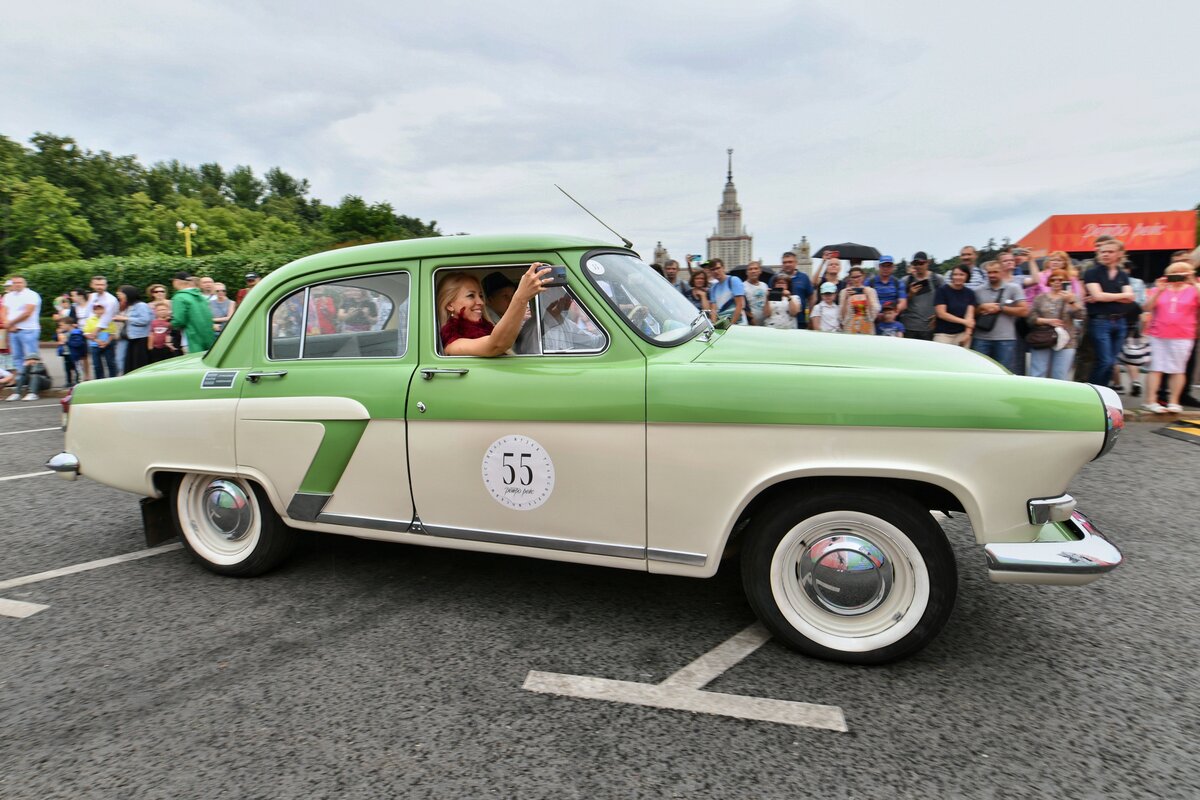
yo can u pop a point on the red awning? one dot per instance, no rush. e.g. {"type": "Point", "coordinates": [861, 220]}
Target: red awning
{"type": "Point", "coordinates": [1151, 230]}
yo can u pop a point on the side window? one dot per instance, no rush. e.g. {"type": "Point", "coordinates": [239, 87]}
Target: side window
{"type": "Point", "coordinates": [566, 325]}
{"type": "Point", "coordinates": [361, 317]}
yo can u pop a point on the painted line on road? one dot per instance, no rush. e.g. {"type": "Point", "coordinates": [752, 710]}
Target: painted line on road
{"type": "Point", "coordinates": [19, 608]}
{"type": "Point", "coordinates": [32, 430]}
{"type": "Point", "coordinates": [26, 475]}
{"type": "Point", "coordinates": [25, 408]}
{"type": "Point", "coordinates": [682, 690]}
{"type": "Point", "coordinates": [88, 565]}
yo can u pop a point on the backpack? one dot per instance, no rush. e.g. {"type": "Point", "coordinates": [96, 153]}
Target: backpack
{"type": "Point", "coordinates": [75, 339]}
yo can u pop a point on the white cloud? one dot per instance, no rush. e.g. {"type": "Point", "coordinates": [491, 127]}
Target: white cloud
{"type": "Point", "coordinates": [911, 126]}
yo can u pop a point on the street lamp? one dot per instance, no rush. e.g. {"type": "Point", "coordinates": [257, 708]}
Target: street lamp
{"type": "Point", "coordinates": [187, 231]}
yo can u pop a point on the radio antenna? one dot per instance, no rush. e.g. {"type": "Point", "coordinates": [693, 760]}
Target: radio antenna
{"type": "Point", "coordinates": [628, 243]}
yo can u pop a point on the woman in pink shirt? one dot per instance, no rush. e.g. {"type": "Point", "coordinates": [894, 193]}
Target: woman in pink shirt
{"type": "Point", "coordinates": [1174, 306]}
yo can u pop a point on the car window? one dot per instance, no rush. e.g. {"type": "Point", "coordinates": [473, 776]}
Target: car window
{"type": "Point", "coordinates": [566, 326]}
{"type": "Point", "coordinates": [555, 322]}
{"type": "Point", "coordinates": [361, 317]}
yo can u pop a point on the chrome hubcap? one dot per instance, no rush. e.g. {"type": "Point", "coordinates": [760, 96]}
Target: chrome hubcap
{"type": "Point", "coordinates": [845, 574]}
{"type": "Point", "coordinates": [227, 510]}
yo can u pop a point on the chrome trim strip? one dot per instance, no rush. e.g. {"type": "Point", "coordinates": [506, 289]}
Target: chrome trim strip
{"type": "Point", "coordinates": [544, 542]}
{"type": "Point", "coordinates": [306, 506]}
{"type": "Point", "coordinates": [1114, 418]}
{"type": "Point", "coordinates": [677, 557]}
{"type": "Point", "coordinates": [1091, 554]}
{"type": "Point", "coordinates": [374, 523]}
{"type": "Point", "coordinates": [1051, 509]}
{"type": "Point", "coordinates": [65, 464]}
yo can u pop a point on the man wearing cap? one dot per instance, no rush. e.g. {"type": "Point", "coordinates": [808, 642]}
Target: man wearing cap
{"type": "Point", "coordinates": [498, 290]}
{"type": "Point", "coordinates": [33, 379]}
{"type": "Point", "coordinates": [21, 308]}
{"type": "Point", "coordinates": [887, 288]}
{"type": "Point", "coordinates": [920, 286]}
{"type": "Point", "coordinates": [190, 313]}
{"type": "Point", "coordinates": [251, 280]}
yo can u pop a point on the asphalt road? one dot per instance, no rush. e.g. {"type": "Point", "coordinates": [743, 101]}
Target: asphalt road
{"type": "Point", "coordinates": [362, 669]}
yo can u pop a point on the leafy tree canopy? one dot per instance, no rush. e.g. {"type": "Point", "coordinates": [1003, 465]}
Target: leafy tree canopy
{"type": "Point", "coordinates": [61, 201]}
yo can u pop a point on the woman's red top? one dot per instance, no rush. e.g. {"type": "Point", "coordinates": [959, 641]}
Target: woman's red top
{"type": "Point", "coordinates": [460, 328]}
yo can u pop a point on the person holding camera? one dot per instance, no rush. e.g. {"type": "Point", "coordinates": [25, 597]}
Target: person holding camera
{"type": "Point", "coordinates": [781, 307]}
{"type": "Point", "coordinates": [859, 304]}
{"type": "Point", "coordinates": [1174, 306]}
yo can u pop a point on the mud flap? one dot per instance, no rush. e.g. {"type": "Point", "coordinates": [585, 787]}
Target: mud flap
{"type": "Point", "coordinates": [157, 522]}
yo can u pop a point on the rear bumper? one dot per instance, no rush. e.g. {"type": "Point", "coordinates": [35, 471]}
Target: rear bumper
{"type": "Point", "coordinates": [65, 464]}
{"type": "Point", "coordinates": [1074, 561]}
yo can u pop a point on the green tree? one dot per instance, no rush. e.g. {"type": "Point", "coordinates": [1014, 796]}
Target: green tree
{"type": "Point", "coordinates": [44, 223]}
{"type": "Point", "coordinates": [243, 188]}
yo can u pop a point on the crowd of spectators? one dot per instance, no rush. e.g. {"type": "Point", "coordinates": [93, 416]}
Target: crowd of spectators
{"type": "Point", "coordinates": [99, 334]}
{"type": "Point", "coordinates": [1033, 317]}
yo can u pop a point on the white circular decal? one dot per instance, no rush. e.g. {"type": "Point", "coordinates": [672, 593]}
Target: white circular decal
{"type": "Point", "coordinates": [518, 472]}
{"type": "Point", "coordinates": [595, 267]}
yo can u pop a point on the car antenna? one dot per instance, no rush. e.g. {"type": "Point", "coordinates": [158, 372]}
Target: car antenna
{"type": "Point", "coordinates": [628, 243]}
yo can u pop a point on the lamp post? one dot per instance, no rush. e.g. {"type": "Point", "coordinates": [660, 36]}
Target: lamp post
{"type": "Point", "coordinates": [187, 231]}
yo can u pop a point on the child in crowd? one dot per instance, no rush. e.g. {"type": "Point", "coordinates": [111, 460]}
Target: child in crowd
{"type": "Point", "coordinates": [33, 379]}
{"type": "Point", "coordinates": [72, 347]}
{"type": "Point", "coordinates": [887, 324]}
{"type": "Point", "coordinates": [825, 315]}
{"type": "Point", "coordinates": [159, 341]}
{"type": "Point", "coordinates": [99, 339]}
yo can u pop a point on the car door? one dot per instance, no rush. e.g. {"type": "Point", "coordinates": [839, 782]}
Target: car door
{"type": "Point", "coordinates": [544, 451]}
{"type": "Point", "coordinates": [321, 414]}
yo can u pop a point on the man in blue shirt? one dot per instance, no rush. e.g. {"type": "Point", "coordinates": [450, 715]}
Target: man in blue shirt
{"type": "Point", "coordinates": [727, 295]}
{"type": "Point", "coordinates": [801, 287]}
{"type": "Point", "coordinates": [887, 287]}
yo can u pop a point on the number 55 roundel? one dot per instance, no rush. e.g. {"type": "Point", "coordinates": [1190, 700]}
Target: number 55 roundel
{"type": "Point", "coordinates": [518, 472]}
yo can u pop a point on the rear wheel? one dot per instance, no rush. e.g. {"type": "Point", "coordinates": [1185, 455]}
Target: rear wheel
{"type": "Point", "coordinates": [844, 578]}
{"type": "Point", "coordinates": [228, 525]}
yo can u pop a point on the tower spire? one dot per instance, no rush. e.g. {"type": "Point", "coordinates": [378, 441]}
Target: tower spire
{"type": "Point", "coordinates": [729, 176]}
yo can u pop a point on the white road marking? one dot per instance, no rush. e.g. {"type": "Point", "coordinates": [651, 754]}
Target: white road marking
{"type": "Point", "coordinates": [23, 408]}
{"type": "Point", "coordinates": [26, 475]}
{"type": "Point", "coordinates": [32, 430]}
{"type": "Point", "coordinates": [19, 608]}
{"type": "Point", "coordinates": [716, 662]}
{"type": "Point", "coordinates": [682, 690]}
{"type": "Point", "coordinates": [88, 565]}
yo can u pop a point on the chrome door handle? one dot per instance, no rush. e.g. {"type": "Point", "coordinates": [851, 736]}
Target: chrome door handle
{"type": "Point", "coordinates": [254, 376]}
{"type": "Point", "coordinates": [428, 374]}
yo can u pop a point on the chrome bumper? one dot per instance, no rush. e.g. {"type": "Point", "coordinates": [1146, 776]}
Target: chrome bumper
{"type": "Point", "coordinates": [1072, 562]}
{"type": "Point", "coordinates": [65, 464]}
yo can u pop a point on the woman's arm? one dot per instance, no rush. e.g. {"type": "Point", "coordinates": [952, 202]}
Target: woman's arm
{"type": "Point", "coordinates": [504, 335]}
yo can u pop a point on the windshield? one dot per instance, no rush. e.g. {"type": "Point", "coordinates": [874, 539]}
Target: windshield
{"type": "Point", "coordinates": [650, 305]}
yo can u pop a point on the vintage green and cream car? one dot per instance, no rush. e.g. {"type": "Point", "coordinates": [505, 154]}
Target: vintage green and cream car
{"type": "Point", "coordinates": [622, 431]}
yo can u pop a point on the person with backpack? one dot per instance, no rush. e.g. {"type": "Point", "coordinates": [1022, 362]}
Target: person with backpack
{"type": "Point", "coordinates": [67, 326]}
{"type": "Point", "coordinates": [727, 295]}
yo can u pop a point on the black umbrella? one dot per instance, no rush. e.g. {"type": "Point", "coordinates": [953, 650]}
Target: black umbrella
{"type": "Point", "coordinates": [850, 251]}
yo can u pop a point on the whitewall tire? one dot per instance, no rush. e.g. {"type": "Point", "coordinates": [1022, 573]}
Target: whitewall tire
{"type": "Point", "coordinates": [228, 525]}
{"type": "Point", "coordinates": [847, 578]}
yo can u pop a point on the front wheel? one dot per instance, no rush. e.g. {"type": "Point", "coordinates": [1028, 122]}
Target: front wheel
{"type": "Point", "coordinates": [848, 579]}
{"type": "Point", "coordinates": [228, 525]}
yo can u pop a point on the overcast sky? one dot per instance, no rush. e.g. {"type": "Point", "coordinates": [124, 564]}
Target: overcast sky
{"type": "Point", "coordinates": [914, 125]}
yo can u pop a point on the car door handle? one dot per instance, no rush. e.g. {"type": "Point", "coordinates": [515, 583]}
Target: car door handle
{"type": "Point", "coordinates": [428, 374]}
{"type": "Point", "coordinates": [254, 376]}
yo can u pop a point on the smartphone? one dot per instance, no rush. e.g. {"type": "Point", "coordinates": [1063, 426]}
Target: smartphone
{"type": "Point", "coordinates": [695, 259]}
{"type": "Point", "coordinates": [859, 290]}
{"type": "Point", "coordinates": [1176, 278]}
{"type": "Point", "coordinates": [558, 276]}
{"type": "Point", "coordinates": [775, 294]}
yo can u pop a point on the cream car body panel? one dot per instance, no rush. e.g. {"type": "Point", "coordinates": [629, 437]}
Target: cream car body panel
{"type": "Point", "coordinates": [599, 481]}
{"type": "Point", "coordinates": [1037, 464]}
{"type": "Point", "coordinates": [277, 454]}
{"type": "Point", "coordinates": [127, 443]}
{"type": "Point", "coordinates": [370, 487]}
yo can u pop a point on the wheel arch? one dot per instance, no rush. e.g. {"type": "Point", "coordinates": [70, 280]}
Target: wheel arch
{"type": "Point", "coordinates": [932, 496]}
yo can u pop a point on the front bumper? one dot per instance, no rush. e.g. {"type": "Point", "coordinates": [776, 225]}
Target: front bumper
{"type": "Point", "coordinates": [1082, 558]}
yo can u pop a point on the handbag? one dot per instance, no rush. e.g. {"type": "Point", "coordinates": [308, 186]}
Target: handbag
{"type": "Point", "coordinates": [1041, 337]}
{"type": "Point", "coordinates": [988, 321]}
